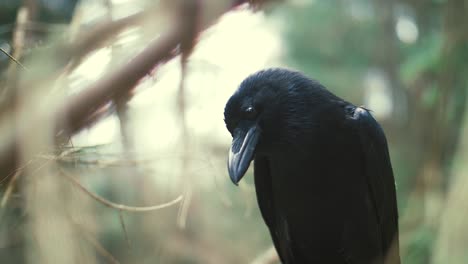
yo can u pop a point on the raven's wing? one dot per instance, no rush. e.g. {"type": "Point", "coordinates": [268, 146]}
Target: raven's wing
{"type": "Point", "coordinates": [380, 180]}
{"type": "Point", "coordinates": [263, 189]}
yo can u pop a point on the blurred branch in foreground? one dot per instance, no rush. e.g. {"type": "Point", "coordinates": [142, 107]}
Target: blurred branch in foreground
{"type": "Point", "coordinates": [41, 120]}
{"type": "Point", "coordinates": [74, 114]}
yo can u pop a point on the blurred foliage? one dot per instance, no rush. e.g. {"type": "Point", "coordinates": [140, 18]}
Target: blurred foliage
{"type": "Point", "coordinates": [328, 44]}
{"type": "Point", "coordinates": [421, 58]}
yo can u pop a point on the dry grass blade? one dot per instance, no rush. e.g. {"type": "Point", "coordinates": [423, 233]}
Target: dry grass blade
{"type": "Point", "coordinates": [10, 188]}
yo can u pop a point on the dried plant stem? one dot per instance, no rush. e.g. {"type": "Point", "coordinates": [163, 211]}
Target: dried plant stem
{"type": "Point", "coordinates": [13, 58]}
{"type": "Point", "coordinates": [116, 206]}
{"type": "Point", "coordinates": [10, 188]}
{"type": "Point", "coordinates": [124, 228]}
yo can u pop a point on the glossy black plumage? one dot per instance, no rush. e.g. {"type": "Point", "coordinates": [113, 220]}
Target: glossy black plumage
{"type": "Point", "coordinates": [323, 177]}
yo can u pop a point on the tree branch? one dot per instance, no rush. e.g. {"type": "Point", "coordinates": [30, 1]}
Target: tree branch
{"type": "Point", "coordinates": [120, 207]}
{"type": "Point", "coordinates": [73, 115]}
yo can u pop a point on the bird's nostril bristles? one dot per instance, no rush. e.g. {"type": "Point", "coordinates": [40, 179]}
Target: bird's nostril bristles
{"type": "Point", "coordinates": [236, 145]}
{"type": "Point", "coordinates": [237, 141]}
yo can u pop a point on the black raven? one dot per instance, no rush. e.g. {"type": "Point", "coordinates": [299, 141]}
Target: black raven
{"type": "Point", "coordinates": [322, 171]}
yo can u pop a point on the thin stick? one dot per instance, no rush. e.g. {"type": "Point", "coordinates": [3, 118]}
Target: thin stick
{"type": "Point", "coordinates": [184, 207]}
{"type": "Point", "coordinates": [120, 207]}
{"type": "Point", "coordinates": [99, 248]}
{"type": "Point", "coordinates": [122, 223]}
{"type": "Point", "coordinates": [10, 188]}
{"type": "Point", "coordinates": [13, 58]}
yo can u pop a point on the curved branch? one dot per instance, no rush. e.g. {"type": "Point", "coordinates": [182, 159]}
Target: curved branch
{"type": "Point", "coordinates": [120, 207]}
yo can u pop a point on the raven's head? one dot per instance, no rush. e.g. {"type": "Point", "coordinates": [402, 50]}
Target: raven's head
{"type": "Point", "coordinates": [266, 111]}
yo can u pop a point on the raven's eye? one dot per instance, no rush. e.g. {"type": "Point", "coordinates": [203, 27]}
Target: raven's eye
{"type": "Point", "coordinates": [250, 113]}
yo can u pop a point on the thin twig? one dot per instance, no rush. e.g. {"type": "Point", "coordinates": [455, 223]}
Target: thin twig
{"type": "Point", "coordinates": [120, 207]}
{"type": "Point", "coordinates": [13, 58]}
{"type": "Point", "coordinates": [184, 207]}
{"type": "Point", "coordinates": [122, 223]}
{"type": "Point", "coordinates": [10, 188]}
{"type": "Point", "coordinates": [99, 248]}
{"type": "Point", "coordinates": [91, 40]}
{"type": "Point", "coordinates": [114, 160]}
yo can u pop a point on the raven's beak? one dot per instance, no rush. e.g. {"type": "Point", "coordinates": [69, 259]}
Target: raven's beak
{"type": "Point", "coordinates": [242, 151]}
